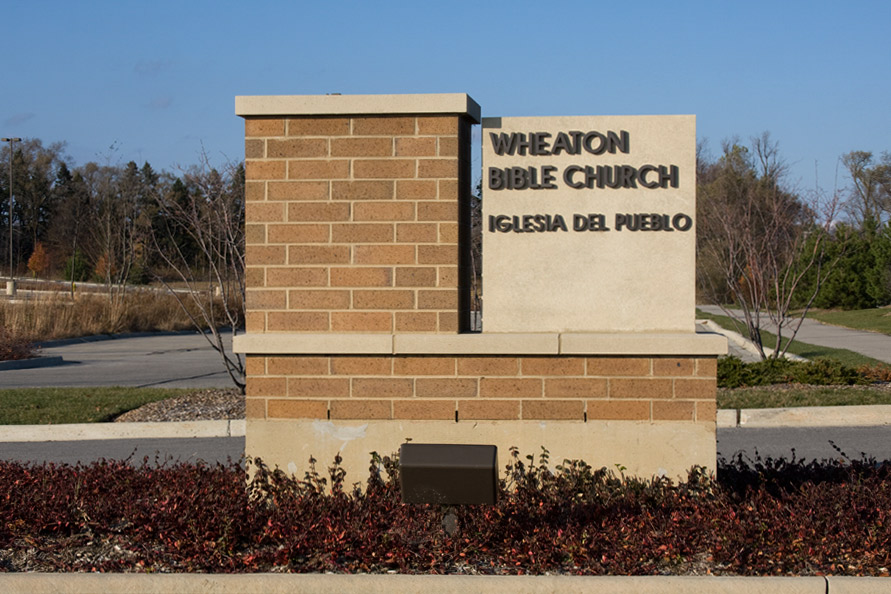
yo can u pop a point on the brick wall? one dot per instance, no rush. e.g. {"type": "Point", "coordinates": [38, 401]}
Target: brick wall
{"type": "Point", "coordinates": [353, 223]}
{"type": "Point", "coordinates": [466, 388]}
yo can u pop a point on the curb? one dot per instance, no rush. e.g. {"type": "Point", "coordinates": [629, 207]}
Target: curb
{"type": "Point", "coordinates": [33, 363]}
{"type": "Point", "coordinates": [869, 415]}
{"type": "Point", "coordinates": [864, 415]}
{"type": "Point", "coordinates": [101, 431]}
{"type": "Point", "coordinates": [271, 583]}
{"type": "Point", "coordinates": [741, 341]}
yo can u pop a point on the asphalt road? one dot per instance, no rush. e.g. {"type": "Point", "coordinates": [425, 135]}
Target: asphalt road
{"type": "Point", "coordinates": [807, 443]}
{"type": "Point", "coordinates": [172, 360]}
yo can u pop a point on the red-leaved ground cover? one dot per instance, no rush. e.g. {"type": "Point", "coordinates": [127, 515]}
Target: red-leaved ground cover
{"type": "Point", "coordinates": [761, 517]}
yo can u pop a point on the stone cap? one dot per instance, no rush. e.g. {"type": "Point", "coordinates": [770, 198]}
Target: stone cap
{"type": "Point", "coordinates": [651, 344]}
{"type": "Point", "coordinates": [324, 105]}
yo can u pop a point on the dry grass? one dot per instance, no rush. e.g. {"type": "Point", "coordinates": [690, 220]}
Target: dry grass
{"type": "Point", "coordinates": [55, 317]}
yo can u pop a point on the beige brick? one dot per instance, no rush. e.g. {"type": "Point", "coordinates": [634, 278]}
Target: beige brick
{"type": "Point", "coordinates": [254, 191]}
{"type": "Point", "coordinates": [298, 190]}
{"type": "Point", "coordinates": [481, 410]}
{"type": "Point", "coordinates": [448, 321]}
{"type": "Point", "coordinates": [415, 277]}
{"type": "Point", "coordinates": [298, 233]}
{"type": "Point", "coordinates": [510, 388]}
{"type": "Point", "coordinates": [673, 410]}
{"type": "Point", "coordinates": [264, 212]}
{"type": "Point", "coordinates": [362, 147]}
{"type": "Point", "coordinates": [255, 408]}
{"type": "Point", "coordinates": [254, 148]}
{"type": "Point", "coordinates": [361, 365]}
{"type": "Point", "coordinates": [384, 254]}
{"type": "Point", "coordinates": [424, 409]}
{"type": "Point", "coordinates": [432, 168]}
{"type": "Point", "coordinates": [438, 299]}
{"type": "Point", "coordinates": [298, 409]}
{"type": "Point", "coordinates": [448, 232]}
{"type": "Point", "coordinates": [552, 366]}
{"type": "Point", "coordinates": [640, 388]}
{"type": "Point", "coordinates": [485, 366]}
{"type": "Point", "coordinates": [383, 126]}
{"type": "Point", "coordinates": [448, 146]}
{"type": "Point", "coordinates": [383, 211]}
{"type": "Point", "coordinates": [619, 366]}
{"type": "Point", "coordinates": [362, 233]}
{"type": "Point", "coordinates": [450, 190]}
{"type": "Point", "coordinates": [446, 387]}
{"type": "Point", "coordinates": [254, 365]}
{"type": "Point", "coordinates": [704, 389]}
{"type": "Point", "coordinates": [362, 190]}
{"type": "Point", "coordinates": [619, 410]}
{"type": "Point", "coordinates": [296, 148]}
{"type": "Point", "coordinates": [255, 233]}
{"type": "Point", "coordinates": [412, 189]}
{"type": "Point", "coordinates": [553, 409]}
{"type": "Point", "coordinates": [318, 254]}
{"type": "Point", "coordinates": [671, 366]}
{"type": "Point", "coordinates": [361, 409]}
{"type": "Point", "coordinates": [257, 255]}
{"type": "Point", "coordinates": [438, 254]}
{"type": "Point", "coordinates": [361, 277]}
{"type": "Point", "coordinates": [381, 388]}
{"type": "Point", "coordinates": [297, 365]}
{"type": "Point", "coordinates": [309, 299]}
{"type": "Point", "coordinates": [255, 299]}
{"type": "Point", "coordinates": [255, 276]}
{"type": "Point", "coordinates": [267, 386]}
{"type": "Point", "coordinates": [582, 387]}
{"type": "Point", "coordinates": [304, 169]}
{"type": "Point", "coordinates": [416, 232]}
{"type": "Point", "coordinates": [254, 126]}
{"type": "Point", "coordinates": [318, 126]}
{"type": "Point", "coordinates": [348, 321]}
{"type": "Point", "coordinates": [438, 125]}
{"type": "Point", "coordinates": [707, 367]}
{"type": "Point", "coordinates": [383, 299]}
{"type": "Point", "coordinates": [264, 169]}
{"type": "Point", "coordinates": [296, 277]}
{"type": "Point", "coordinates": [442, 210]}
{"type": "Point", "coordinates": [447, 277]}
{"type": "Point", "coordinates": [424, 366]}
{"type": "Point", "coordinates": [255, 321]}
{"type": "Point", "coordinates": [383, 168]}
{"type": "Point", "coordinates": [297, 321]}
{"type": "Point", "coordinates": [318, 211]}
{"type": "Point", "coordinates": [318, 387]}
{"type": "Point", "coordinates": [416, 147]}
{"type": "Point", "coordinates": [706, 411]}
{"type": "Point", "coordinates": [415, 321]}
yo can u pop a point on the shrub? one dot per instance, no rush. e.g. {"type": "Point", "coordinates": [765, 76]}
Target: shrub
{"type": "Point", "coordinates": [13, 348]}
{"type": "Point", "coordinates": [733, 373]}
{"type": "Point", "coordinates": [761, 517]}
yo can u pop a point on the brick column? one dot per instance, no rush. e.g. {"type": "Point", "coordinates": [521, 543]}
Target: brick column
{"type": "Point", "coordinates": [353, 220]}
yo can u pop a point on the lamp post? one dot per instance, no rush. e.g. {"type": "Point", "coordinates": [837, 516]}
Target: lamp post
{"type": "Point", "coordinates": [10, 286]}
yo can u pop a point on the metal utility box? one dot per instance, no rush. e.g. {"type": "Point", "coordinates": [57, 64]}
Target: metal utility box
{"type": "Point", "coordinates": [450, 474]}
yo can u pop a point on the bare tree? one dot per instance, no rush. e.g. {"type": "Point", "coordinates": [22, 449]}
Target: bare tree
{"type": "Point", "coordinates": [199, 236]}
{"type": "Point", "coordinates": [870, 196]}
{"type": "Point", "coordinates": [759, 243]}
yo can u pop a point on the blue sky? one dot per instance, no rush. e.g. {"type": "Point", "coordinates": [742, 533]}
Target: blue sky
{"type": "Point", "coordinates": [157, 80]}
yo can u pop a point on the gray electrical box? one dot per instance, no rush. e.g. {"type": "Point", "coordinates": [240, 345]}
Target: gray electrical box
{"type": "Point", "coordinates": [450, 474]}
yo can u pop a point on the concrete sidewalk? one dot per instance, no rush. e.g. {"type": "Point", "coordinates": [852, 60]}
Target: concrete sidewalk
{"type": "Point", "coordinates": [871, 344]}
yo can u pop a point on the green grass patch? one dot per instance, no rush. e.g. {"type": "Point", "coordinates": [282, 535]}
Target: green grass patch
{"type": "Point", "coordinates": [803, 349]}
{"type": "Point", "coordinates": [787, 396]}
{"type": "Point", "coordinates": [40, 406]}
{"type": "Point", "coordinates": [874, 320]}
